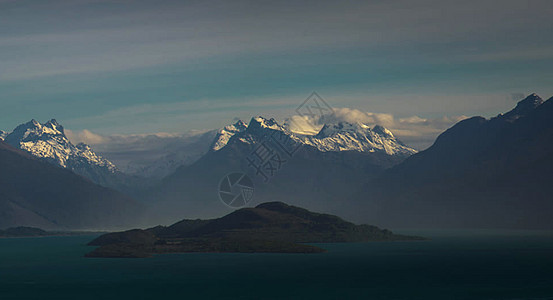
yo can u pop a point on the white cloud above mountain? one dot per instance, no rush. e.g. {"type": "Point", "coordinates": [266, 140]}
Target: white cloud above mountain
{"type": "Point", "coordinates": [150, 154]}
{"type": "Point", "coordinates": [136, 153]}
{"type": "Point", "coordinates": [415, 131]}
{"type": "Point", "coordinates": [85, 136]}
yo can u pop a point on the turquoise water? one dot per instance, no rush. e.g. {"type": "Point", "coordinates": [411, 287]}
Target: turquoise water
{"type": "Point", "coordinates": [485, 265]}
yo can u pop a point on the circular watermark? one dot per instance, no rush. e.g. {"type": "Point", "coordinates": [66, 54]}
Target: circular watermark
{"type": "Point", "coordinates": [236, 190]}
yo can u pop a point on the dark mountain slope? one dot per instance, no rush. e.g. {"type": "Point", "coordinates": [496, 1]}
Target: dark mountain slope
{"type": "Point", "coordinates": [35, 193]}
{"type": "Point", "coordinates": [479, 173]}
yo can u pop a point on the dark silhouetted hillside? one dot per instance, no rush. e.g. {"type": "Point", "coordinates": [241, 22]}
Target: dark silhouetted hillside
{"type": "Point", "coordinates": [479, 173]}
{"type": "Point", "coordinates": [269, 227]}
{"type": "Point", "coordinates": [35, 193]}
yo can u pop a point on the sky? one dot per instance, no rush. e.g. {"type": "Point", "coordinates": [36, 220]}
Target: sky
{"type": "Point", "coordinates": [133, 67]}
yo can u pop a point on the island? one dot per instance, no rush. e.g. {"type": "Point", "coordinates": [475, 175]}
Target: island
{"type": "Point", "coordinates": [272, 227]}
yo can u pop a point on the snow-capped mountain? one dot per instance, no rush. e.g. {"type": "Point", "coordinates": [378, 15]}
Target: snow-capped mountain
{"type": "Point", "coordinates": [224, 135]}
{"type": "Point", "coordinates": [320, 171]}
{"type": "Point", "coordinates": [342, 136]}
{"type": "Point", "coordinates": [49, 142]}
{"type": "Point", "coordinates": [357, 137]}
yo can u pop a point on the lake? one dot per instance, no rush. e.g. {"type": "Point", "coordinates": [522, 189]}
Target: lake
{"type": "Point", "coordinates": [452, 265]}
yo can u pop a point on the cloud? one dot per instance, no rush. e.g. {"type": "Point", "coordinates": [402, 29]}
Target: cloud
{"type": "Point", "coordinates": [354, 115]}
{"type": "Point", "coordinates": [148, 153]}
{"type": "Point", "coordinates": [414, 120]}
{"type": "Point", "coordinates": [302, 125]}
{"type": "Point", "coordinates": [94, 139]}
{"type": "Point", "coordinates": [415, 131]}
{"type": "Point", "coordinates": [67, 37]}
{"type": "Point", "coordinates": [85, 136]}
{"type": "Point", "coordinates": [116, 64]}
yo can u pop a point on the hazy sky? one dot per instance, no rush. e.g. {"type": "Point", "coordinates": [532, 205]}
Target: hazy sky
{"type": "Point", "coordinates": [148, 66]}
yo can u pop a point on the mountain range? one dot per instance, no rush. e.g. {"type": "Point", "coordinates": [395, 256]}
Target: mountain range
{"type": "Point", "coordinates": [479, 173]}
{"type": "Point", "coordinates": [309, 171]}
{"type": "Point", "coordinates": [336, 137]}
{"type": "Point", "coordinates": [153, 157]}
{"type": "Point", "coordinates": [339, 146]}
{"type": "Point", "coordinates": [49, 142]}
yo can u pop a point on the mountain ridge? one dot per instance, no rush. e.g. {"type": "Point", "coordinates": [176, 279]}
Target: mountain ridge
{"type": "Point", "coordinates": [49, 142]}
{"type": "Point", "coordinates": [480, 172]}
{"type": "Point", "coordinates": [341, 136]}
{"type": "Point", "coordinates": [300, 173]}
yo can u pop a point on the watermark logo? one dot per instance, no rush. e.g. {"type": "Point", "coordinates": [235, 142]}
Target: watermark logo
{"type": "Point", "coordinates": [236, 190]}
{"type": "Point", "coordinates": [271, 153]}
{"type": "Point", "coordinates": [272, 146]}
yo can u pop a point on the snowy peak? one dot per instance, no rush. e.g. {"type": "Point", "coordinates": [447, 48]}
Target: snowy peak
{"type": "Point", "coordinates": [258, 126]}
{"type": "Point", "coordinates": [83, 146]}
{"type": "Point", "coordinates": [261, 122]}
{"type": "Point", "coordinates": [55, 126]}
{"type": "Point", "coordinates": [524, 107]}
{"type": "Point", "coordinates": [329, 130]}
{"type": "Point", "coordinates": [223, 136]}
{"type": "Point", "coordinates": [383, 131]}
{"type": "Point", "coordinates": [48, 141]}
{"type": "Point", "coordinates": [33, 130]}
{"type": "Point", "coordinates": [342, 136]}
